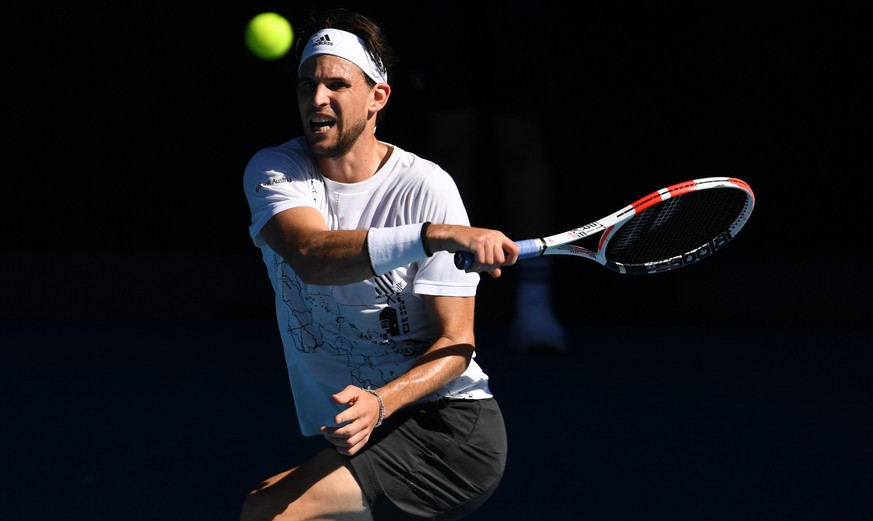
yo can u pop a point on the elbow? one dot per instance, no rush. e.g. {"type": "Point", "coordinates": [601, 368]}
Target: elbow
{"type": "Point", "coordinates": [308, 272]}
{"type": "Point", "coordinates": [319, 273]}
{"type": "Point", "coordinates": [457, 356]}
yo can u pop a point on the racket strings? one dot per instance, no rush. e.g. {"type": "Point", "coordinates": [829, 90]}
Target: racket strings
{"type": "Point", "coordinates": [677, 226]}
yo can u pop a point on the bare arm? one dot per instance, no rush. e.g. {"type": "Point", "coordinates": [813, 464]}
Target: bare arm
{"type": "Point", "coordinates": [317, 254]}
{"type": "Point", "coordinates": [444, 361]}
{"type": "Point", "coordinates": [334, 257]}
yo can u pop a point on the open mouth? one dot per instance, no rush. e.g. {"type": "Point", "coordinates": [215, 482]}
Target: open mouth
{"type": "Point", "coordinates": [321, 124]}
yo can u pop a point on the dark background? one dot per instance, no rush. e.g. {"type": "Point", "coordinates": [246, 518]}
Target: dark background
{"type": "Point", "coordinates": [129, 126]}
{"type": "Point", "coordinates": [141, 367]}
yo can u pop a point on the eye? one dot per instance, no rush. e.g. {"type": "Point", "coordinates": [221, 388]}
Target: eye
{"type": "Point", "coordinates": [338, 85]}
{"type": "Point", "coordinates": [305, 86]}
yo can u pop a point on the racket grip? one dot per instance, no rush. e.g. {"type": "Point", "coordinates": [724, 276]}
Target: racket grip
{"type": "Point", "coordinates": [529, 248]}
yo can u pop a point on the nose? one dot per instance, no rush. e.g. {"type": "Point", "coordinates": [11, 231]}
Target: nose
{"type": "Point", "coordinates": [320, 95]}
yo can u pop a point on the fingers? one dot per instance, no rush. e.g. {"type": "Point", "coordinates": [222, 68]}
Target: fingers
{"type": "Point", "coordinates": [355, 423]}
{"type": "Point", "coordinates": [348, 395]}
{"type": "Point", "coordinates": [344, 441]}
{"type": "Point", "coordinates": [492, 250]}
{"type": "Point", "coordinates": [495, 272]}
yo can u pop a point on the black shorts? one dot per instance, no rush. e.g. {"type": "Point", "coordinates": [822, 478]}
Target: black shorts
{"type": "Point", "coordinates": [440, 460]}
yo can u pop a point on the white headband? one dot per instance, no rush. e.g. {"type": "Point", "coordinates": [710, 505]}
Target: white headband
{"type": "Point", "coordinates": [345, 45]}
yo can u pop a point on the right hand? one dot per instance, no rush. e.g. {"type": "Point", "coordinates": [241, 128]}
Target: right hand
{"type": "Point", "coordinates": [491, 248]}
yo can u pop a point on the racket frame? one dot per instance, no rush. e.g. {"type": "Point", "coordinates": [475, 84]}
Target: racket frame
{"type": "Point", "coordinates": [560, 244]}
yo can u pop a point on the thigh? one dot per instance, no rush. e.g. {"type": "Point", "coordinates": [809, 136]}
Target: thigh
{"type": "Point", "coordinates": [439, 460]}
{"type": "Point", "coordinates": [322, 487]}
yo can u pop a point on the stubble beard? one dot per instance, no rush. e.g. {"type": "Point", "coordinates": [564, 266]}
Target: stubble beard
{"type": "Point", "coordinates": [345, 141]}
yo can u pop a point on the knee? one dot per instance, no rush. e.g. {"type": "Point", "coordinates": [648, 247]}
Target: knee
{"type": "Point", "coordinates": [254, 509]}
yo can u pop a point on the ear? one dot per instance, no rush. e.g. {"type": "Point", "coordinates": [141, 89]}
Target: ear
{"type": "Point", "coordinates": [381, 93]}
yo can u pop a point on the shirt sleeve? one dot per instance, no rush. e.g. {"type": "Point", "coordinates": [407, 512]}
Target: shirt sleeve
{"type": "Point", "coordinates": [438, 274]}
{"type": "Point", "coordinates": [275, 180]}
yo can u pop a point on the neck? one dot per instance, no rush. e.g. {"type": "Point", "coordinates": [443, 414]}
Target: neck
{"type": "Point", "coordinates": [359, 164]}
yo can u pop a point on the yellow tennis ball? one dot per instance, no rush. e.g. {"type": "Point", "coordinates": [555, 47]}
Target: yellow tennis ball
{"type": "Point", "coordinates": [269, 36]}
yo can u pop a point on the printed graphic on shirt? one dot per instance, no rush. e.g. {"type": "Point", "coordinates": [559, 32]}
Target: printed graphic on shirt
{"type": "Point", "coordinates": [393, 318]}
{"type": "Point", "coordinates": [373, 347]}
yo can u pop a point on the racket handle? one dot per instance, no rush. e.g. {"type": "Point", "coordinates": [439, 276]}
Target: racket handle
{"type": "Point", "coordinates": [529, 248]}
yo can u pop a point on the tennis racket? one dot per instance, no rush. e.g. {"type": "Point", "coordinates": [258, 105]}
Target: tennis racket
{"type": "Point", "coordinates": [667, 229]}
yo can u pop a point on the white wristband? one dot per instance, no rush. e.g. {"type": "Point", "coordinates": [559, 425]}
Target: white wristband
{"type": "Point", "coordinates": [393, 247]}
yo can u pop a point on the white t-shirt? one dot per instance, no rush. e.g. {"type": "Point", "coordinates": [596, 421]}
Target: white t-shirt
{"type": "Point", "coordinates": [370, 332]}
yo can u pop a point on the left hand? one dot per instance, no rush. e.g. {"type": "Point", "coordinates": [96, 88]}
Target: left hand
{"type": "Point", "coordinates": [356, 423]}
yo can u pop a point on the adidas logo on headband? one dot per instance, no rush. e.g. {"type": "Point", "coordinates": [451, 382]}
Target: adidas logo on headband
{"type": "Point", "coordinates": [324, 40]}
{"type": "Point", "coordinates": [345, 45]}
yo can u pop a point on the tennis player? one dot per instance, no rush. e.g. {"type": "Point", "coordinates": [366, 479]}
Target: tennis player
{"type": "Point", "coordinates": [376, 320]}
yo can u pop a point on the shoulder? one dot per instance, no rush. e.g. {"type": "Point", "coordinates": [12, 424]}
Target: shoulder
{"type": "Point", "coordinates": [423, 181]}
{"type": "Point", "coordinates": [290, 159]}
{"type": "Point", "coordinates": [294, 150]}
{"type": "Point", "coordinates": [416, 167]}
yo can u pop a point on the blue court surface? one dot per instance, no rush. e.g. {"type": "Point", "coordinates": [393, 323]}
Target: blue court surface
{"type": "Point", "coordinates": [176, 420]}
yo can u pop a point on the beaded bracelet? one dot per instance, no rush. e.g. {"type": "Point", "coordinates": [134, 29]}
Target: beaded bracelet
{"type": "Point", "coordinates": [381, 405]}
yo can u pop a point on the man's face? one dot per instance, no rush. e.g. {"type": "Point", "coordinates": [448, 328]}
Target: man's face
{"type": "Point", "coordinates": [334, 100]}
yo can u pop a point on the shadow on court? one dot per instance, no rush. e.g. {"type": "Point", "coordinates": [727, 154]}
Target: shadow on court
{"type": "Point", "coordinates": [169, 400]}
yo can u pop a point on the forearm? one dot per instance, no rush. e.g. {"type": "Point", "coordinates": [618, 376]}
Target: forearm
{"type": "Point", "coordinates": [445, 361]}
{"type": "Point", "coordinates": [335, 257]}
{"type": "Point", "coordinates": [331, 257]}
{"type": "Point", "coordinates": [345, 256]}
